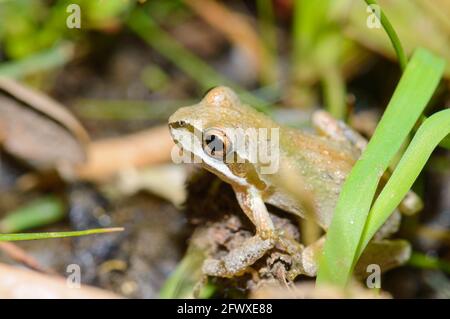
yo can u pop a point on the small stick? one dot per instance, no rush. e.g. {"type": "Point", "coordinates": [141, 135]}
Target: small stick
{"type": "Point", "coordinates": [24, 284]}
{"type": "Point", "coordinates": [21, 256]}
{"type": "Point", "coordinates": [108, 156]}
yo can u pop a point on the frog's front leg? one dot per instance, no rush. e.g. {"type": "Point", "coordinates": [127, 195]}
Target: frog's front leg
{"type": "Point", "coordinates": [238, 260]}
{"type": "Point", "coordinates": [252, 204]}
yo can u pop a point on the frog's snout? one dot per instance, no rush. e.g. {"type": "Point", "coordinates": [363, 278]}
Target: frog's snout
{"type": "Point", "coordinates": [178, 124]}
{"type": "Point", "coordinates": [178, 118]}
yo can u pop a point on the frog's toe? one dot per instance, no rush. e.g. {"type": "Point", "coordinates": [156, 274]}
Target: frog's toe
{"type": "Point", "coordinates": [214, 267]}
{"type": "Point", "coordinates": [267, 234]}
{"type": "Point", "coordinates": [237, 261]}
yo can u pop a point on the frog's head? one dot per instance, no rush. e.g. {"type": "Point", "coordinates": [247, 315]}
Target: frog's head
{"type": "Point", "coordinates": [216, 131]}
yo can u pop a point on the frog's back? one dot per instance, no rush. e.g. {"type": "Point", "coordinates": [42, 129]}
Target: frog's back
{"type": "Point", "coordinates": [320, 164]}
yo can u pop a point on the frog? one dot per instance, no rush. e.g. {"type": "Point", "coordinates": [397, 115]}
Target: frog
{"type": "Point", "coordinates": [321, 160]}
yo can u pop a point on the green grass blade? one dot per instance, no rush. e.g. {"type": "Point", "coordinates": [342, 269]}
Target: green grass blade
{"type": "Point", "coordinates": [401, 56]}
{"type": "Point", "coordinates": [144, 26]}
{"type": "Point", "coordinates": [40, 212]}
{"type": "Point", "coordinates": [412, 94]}
{"type": "Point", "coordinates": [328, 55]}
{"type": "Point", "coordinates": [35, 236]}
{"type": "Point", "coordinates": [45, 60]}
{"type": "Point", "coordinates": [420, 260]}
{"type": "Point", "coordinates": [308, 22]}
{"type": "Point", "coordinates": [445, 142]}
{"type": "Point", "coordinates": [183, 280]}
{"type": "Point", "coordinates": [427, 138]}
{"type": "Point", "coordinates": [268, 33]}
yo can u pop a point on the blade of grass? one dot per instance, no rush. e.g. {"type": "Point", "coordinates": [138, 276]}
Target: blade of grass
{"type": "Point", "coordinates": [401, 56]}
{"type": "Point", "coordinates": [445, 142]}
{"type": "Point", "coordinates": [420, 260]}
{"type": "Point", "coordinates": [334, 92]}
{"type": "Point", "coordinates": [427, 138]}
{"type": "Point", "coordinates": [40, 212]}
{"type": "Point", "coordinates": [318, 53]}
{"type": "Point", "coordinates": [238, 29]}
{"type": "Point", "coordinates": [122, 110]}
{"type": "Point", "coordinates": [308, 22]}
{"type": "Point", "coordinates": [48, 59]}
{"type": "Point", "coordinates": [183, 280]}
{"type": "Point", "coordinates": [266, 21]}
{"type": "Point", "coordinates": [48, 235]}
{"type": "Point", "coordinates": [412, 94]}
{"type": "Point", "coordinates": [328, 56]}
{"type": "Point", "coordinates": [375, 220]}
{"type": "Point", "coordinates": [144, 26]}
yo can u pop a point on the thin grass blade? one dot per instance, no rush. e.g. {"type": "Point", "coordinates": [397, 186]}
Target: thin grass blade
{"type": "Point", "coordinates": [412, 94]}
{"type": "Point", "coordinates": [401, 56]}
{"type": "Point", "coordinates": [48, 235]}
{"type": "Point", "coordinates": [427, 138]}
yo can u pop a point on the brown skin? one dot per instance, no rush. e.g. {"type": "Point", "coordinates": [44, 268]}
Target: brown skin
{"type": "Point", "coordinates": [321, 163]}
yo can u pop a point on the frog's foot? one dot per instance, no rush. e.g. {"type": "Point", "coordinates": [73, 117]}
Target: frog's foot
{"type": "Point", "coordinates": [386, 254]}
{"type": "Point", "coordinates": [295, 250]}
{"type": "Point", "coordinates": [411, 204]}
{"type": "Point", "coordinates": [238, 260]}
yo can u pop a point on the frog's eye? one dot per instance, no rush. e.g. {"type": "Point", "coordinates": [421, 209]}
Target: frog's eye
{"type": "Point", "coordinates": [216, 143]}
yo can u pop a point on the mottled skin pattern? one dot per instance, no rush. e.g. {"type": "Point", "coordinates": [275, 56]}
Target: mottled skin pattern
{"type": "Point", "coordinates": [320, 162]}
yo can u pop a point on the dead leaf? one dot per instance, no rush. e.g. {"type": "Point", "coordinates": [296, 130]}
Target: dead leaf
{"type": "Point", "coordinates": [237, 28]}
{"type": "Point", "coordinates": [41, 132]}
{"type": "Point", "coordinates": [109, 156]}
{"type": "Point", "coordinates": [38, 130]}
{"type": "Point", "coordinates": [308, 290]}
{"type": "Point", "coordinates": [165, 180]}
{"type": "Point", "coordinates": [23, 284]}
{"type": "Point", "coordinates": [36, 139]}
{"type": "Point", "coordinates": [45, 105]}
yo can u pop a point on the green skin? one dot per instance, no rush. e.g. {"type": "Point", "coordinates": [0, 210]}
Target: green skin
{"type": "Point", "coordinates": [319, 163]}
